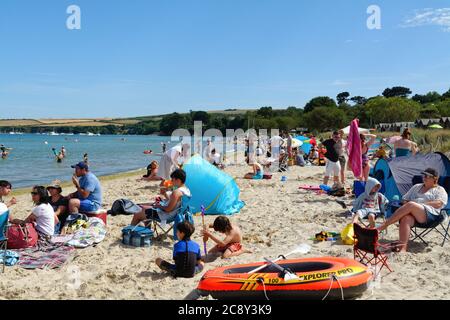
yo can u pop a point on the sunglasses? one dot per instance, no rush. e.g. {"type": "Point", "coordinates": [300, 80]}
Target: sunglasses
{"type": "Point", "coordinates": [34, 193]}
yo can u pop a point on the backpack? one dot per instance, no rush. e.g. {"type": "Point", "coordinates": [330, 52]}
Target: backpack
{"type": "Point", "coordinates": [22, 236]}
{"type": "Point", "coordinates": [125, 207]}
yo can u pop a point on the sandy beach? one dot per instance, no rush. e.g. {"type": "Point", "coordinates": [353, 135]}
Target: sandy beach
{"type": "Point", "coordinates": [277, 217]}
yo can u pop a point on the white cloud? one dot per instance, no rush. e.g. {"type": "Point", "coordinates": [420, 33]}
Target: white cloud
{"type": "Point", "coordinates": [429, 17]}
{"type": "Point", "coordinates": [340, 83]}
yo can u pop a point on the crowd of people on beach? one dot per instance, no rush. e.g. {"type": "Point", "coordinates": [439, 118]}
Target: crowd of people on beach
{"type": "Point", "coordinates": [53, 212]}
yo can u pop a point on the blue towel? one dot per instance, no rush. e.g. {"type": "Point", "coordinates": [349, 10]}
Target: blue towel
{"type": "Point", "coordinates": [11, 258]}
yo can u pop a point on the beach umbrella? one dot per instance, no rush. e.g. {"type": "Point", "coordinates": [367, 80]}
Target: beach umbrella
{"type": "Point", "coordinates": [360, 130]}
{"type": "Point", "coordinates": [296, 143]}
{"type": "Point", "coordinates": [393, 139]}
{"type": "Point", "coordinates": [435, 126]}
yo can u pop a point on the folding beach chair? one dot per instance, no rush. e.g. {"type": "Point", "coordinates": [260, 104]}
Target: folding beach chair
{"type": "Point", "coordinates": [183, 214]}
{"type": "Point", "coordinates": [368, 250]}
{"type": "Point", "coordinates": [3, 233]}
{"type": "Point", "coordinates": [442, 225]}
{"type": "Point", "coordinates": [284, 163]}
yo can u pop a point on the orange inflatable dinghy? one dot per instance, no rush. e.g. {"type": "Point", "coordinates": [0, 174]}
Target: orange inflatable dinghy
{"type": "Point", "coordinates": [316, 278]}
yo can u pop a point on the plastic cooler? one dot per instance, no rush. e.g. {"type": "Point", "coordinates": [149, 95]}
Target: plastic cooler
{"type": "Point", "coordinates": [101, 214]}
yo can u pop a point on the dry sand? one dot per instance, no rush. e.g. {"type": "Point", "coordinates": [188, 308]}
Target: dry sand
{"type": "Point", "coordinates": [277, 217]}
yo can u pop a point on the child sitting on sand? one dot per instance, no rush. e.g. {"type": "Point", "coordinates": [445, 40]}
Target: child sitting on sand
{"type": "Point", "coordinates": [257, 174]}
{"type": "Point", "coordinates": [371, 204]}
{"type": "Point", "coordinates": [186, 254]}
{"type": "Point", "coordinates": [152, 172]}
{"type": "Point", "coordinates": [231, 245]}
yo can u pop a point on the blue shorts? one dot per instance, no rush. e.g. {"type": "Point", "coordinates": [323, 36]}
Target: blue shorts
{"type": "Point", "coordinates": [88, 206]}
{"type": "Point", "coordinates": [432, 219]}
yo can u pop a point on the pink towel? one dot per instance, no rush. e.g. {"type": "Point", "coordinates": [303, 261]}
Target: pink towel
{"type": "Point", "coordinates": [354, 149]}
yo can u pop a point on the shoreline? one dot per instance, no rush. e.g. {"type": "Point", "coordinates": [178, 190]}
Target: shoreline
{"type": "Point", "coordinates": [103, 178]}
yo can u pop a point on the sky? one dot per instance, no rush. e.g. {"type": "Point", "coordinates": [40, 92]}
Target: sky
{"type": "Point", "coordinates": [148, 57]}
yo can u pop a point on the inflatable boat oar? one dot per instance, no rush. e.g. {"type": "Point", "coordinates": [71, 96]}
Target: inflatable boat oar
{"type": "Point", "coordinates": [203, 221]}
{"type": "Point", "coordinates": [287, 274]}
{"type": "Point", "coordinates": [303, 249]}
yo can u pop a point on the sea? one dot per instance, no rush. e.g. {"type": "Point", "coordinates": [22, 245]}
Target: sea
{"type": "Point", "coordinates": [32, 162]}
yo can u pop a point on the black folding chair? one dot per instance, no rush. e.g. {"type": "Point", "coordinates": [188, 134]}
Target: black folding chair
{"type": "Point", "coordinates": [442, 225]}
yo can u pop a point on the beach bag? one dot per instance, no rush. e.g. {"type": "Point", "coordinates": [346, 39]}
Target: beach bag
{"type": "Point", "coordinates": [125, 207]}
{"type": "Point", "coordinates": [22, 236]}
{"type": "Point", "coordinates": [137, 236]}
{"type": "Point", "coordinates": [347, 234]}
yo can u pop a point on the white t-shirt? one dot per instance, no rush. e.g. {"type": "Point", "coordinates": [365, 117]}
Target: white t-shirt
{"type": "Point", "coordinates": [434, 194]}
{"type": "Point", "coordinates": [3, 208]}
{"type": "Point", "coordinates": [45, 219]}
{"type": "Point", "coordinates": [174, 151]}
{"type": "Point", "coordinates": [276, 141]}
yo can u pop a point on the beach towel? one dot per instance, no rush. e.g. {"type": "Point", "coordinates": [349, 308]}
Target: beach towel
{"type": "Point", "coordinates": [94, 233]}
{"type": "Point", "coordinates": [49, 257]}
{"type": "Point", "coordinates": [9, 257]}
{"type": "Point", "coordinates": [354, 149]}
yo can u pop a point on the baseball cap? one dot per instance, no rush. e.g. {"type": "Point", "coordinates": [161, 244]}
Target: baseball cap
{"type": "Point", "coordinates": [81, 165]}
{"type": "Point", "coordinates": [431, 172]}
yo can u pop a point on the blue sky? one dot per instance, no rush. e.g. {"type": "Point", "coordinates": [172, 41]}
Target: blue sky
{"type": "Point", "coordinates": [145, 57]}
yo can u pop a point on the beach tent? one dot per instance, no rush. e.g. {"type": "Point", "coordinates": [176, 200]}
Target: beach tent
{"type": "Point", "coordinates": [361, 130]}
{"type": "Point", "coordinates": [212, 188]}
{"type": "Point", "coordinates": [306, 145]}
{"type": "Point", "coordinates": [396, 174]}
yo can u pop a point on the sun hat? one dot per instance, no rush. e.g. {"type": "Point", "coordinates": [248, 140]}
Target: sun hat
{"type": "Point", "coordinates": [56, 184]}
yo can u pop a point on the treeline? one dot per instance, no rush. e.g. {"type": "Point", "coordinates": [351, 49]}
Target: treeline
{"type": "Point", "coordinates": [324, 113]}
{"type": "Point", "coordinates": [320, 114]}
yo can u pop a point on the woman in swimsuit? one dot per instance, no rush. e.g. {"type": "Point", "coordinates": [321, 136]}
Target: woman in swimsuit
{"type": "Point", "coordinates": [365, 146]}
{"type": "Point", "coordinates": [404, 146]}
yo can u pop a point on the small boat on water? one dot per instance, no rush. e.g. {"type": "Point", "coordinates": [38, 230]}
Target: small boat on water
{"type": "Point", "coordinates": [315, 278]}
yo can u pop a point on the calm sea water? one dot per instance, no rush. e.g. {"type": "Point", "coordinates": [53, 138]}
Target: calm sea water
{"type": "Point", "coordinates": [32, 161]}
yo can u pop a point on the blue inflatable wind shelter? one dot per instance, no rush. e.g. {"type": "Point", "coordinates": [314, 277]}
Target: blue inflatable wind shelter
{"type": "Point", "coordinates": [396, 175]}
{"type": "Point", "coordinates": [212, 188]}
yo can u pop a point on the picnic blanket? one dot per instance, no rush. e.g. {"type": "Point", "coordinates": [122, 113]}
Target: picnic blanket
{"type": "Point", "coordinates": [94, 233]}
{"type": "Point", "coordinates": [50, 256]}
{"type": "Point", "coordinates": [9, 257]}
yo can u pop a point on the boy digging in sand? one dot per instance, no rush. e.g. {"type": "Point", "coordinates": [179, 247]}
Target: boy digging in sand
{"type": "Point", "coordinates": [231, 245]}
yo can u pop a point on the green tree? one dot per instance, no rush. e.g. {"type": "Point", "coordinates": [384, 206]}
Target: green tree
{"type": "Point", "coordinates": [446, 95]}
{"type": "Point", "coordinates": [359, 100]}
{"type": "Point", "coordinates": [342, 97]}
{"type": "Point", "coordinates": [325, 118]}
{"type": "Point", "coordinates": [265, 112]}
{"type": "Point", "coordinates": [319, 102]}
{"type": "Point", "coordinates": [430, 97]}
{"type": "Point", "coordinates": [429, 111]}
{"type": "Point", "coordinates": [397, 92]}
{"type": "Point", "coordinates": [444, 108]}
{"type": "Point", "coordinates": [200, 116]}
{"type": "Point", "coordinates": [173, 121]}
{"type": "Point", "coordinates": [388, 110]}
